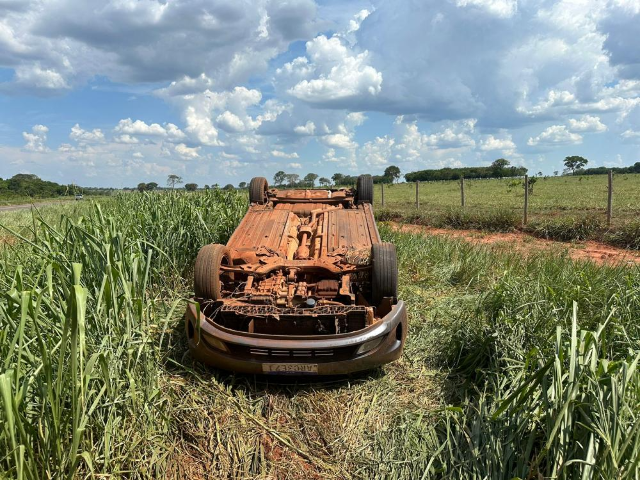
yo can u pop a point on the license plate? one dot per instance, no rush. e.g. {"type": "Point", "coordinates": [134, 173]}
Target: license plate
{"type": "Point", "coordinates": [290, 368]}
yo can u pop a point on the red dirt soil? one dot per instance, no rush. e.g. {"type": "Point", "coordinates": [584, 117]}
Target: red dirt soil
{"type": "Point", "coordinates": [522, 242]}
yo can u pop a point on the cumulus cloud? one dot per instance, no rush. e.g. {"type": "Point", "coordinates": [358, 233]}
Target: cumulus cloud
{"type": "Point", "coordinates": [187, 152]}
{"type": "Point", "coordinates": [83, 136]}
{"type": "Point", "coordinates": [128, 129]}
{"type": "Point", "coordinates": [549, 72]}
{"type": "Point", "coordinates": [338, 140]}
{"type": "Point", "coordinates": [36, 140]}
{"type": "Point", "coordinates": [294, 165]}
{"type": "Point", "coordinates": [126, 139]}
{"type": "Point", "coordinates": [409, 146]}
{"type": "Point", "coordinates": [587, 124]}
{"type": "Point", "coordinates": [341, 76]}
{"type": "Point", "coordinates": [308, 128]}
{"type": "Point", "coordinates": [505, 144]}
{"type": "Point", "coordinates": [555, 135]}
{"type": "Point", "coordinates": [631, 136]}
{"type": "Point", "coordinates": [620, 25]}
{"type": "Point", "coordinates": [65, 43]}
{"type": "Point", "coordinates": [228, 108]}
{"type": "Point", "coordinates": [281, 154]}
{"type": "Point", "coordinates": [230, 122]}
{"type": "Point", "coordinates": [500, 8]}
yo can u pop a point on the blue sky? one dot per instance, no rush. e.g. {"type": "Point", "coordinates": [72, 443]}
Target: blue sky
{"type": "Point", "coordinates": [113, 93]}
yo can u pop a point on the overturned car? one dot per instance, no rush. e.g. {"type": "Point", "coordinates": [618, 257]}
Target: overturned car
{"type": "Point", "coordinates": [304, 286]}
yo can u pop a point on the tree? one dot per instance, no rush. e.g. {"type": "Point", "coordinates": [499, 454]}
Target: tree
{"type": "Point", "coordinates": [498, 167]}
{"type": "Point", "coordinates": [207, 187]}
{"type": "Point", "coordinates": [142, 187]}
{"type": "Point", "coordinates": [292, 179]}
{"type": "Point", "coordinates": [191, 187]}
{"type": "Point", "coordinates": [337, 178]}
{"type": "Point", "coordinates": [392, 172]}
{"type": "Point", "coordinates": [324, 181]}
{"type": "Point", "coordinates": [310, 179]}
{"type": "Point", "coordinates": [574, 163]}
{"type": "Point", "coordinates": [279, 178]}
{"type": "Point", "coordinates": [242, 185]}
{"type": "Point", "coordinates": [228, 186]}
{"type": "Point", "coordinates": [555, 172]}
{"type": "Point", "coordinates": [173, 180]}
{"type": "Point", "coordinates": [152, 186]}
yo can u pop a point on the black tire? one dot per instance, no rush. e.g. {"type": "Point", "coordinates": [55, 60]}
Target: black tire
{"type": "Point", "coordinates": [258, 190]}
{"type": "Point", "coordinates": [384, 277]}
{"type": "Point", "coordinates": [364, 189]}
{"type": "Point", "coordinates": [207, 275]}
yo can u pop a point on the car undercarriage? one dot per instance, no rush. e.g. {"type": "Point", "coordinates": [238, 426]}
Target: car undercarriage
{"type": "Point", "coordinates": [302, 263]}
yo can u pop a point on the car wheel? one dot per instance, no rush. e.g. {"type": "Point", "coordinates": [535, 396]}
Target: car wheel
{"type": "Point", "coordinates": [258, 190]}
{"type": "Point", "coordinates": [384, 278]}
{"type": "Point", "coordinates": [207, 274]}
{"type": "Point", "coordinates": [364, 189]}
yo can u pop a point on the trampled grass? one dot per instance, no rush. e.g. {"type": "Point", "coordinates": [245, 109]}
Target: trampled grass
{"type": "Point", "coordinates": [501, 377]}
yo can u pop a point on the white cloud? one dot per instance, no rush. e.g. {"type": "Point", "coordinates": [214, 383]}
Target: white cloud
{"type": "Point", "coordinates": [354, 24]}
{"type": "Point", "coordinates": [83, 136]}
{"type": "Point", "coordinates": [308, 128]}
{"type": "Point", "coordinates": [38, 78]}
{"type": "Point", "coordinates": [504, 144]}
{"type": "Point", "coordinates": [126, 139]}
{"type": "Point", "coordinates": [338, 140]}
{"type": "Point", "coordinates": [500, 8]}
{"type": "Point", "coordinates": [230, 122]}
{"type": "Point", "coordinates": [631, 136]}
{"type": "Point", "coordinates": [587, 124]}
{"type": "Point", "coordinates": [187, 152]}
{"type": "Point", "coordinates": [555, 135]}
{"type": "Point", "coordinates": [341, 76]}
{"type": "Point", "coordinates": [294, 165]}
{"type": "Point", "coordinates": [58, 45]}
{"type": "Point", "coordinates": [127, 126]}
{"type": "Point", "coordinates": [36, 140]}
{"type": "Point", "coordinates": [280, 154]}
{"type": "Point", "coordinates": [200, 128]}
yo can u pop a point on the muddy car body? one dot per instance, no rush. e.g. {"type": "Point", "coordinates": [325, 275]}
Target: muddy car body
{"type": "Point", "coordinates": [304, 286]}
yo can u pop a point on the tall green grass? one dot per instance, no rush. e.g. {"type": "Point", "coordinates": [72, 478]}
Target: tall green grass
{"type": "Point", "coordinates": [544, 352]}
{"type": "Point", "coordinates": [502, 376]}
{"type": "Point", "coordinates": [82, 325]}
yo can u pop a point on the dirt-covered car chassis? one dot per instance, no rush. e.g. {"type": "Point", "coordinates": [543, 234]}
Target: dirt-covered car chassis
{"type": "Point", "coordinates": [304, 286]}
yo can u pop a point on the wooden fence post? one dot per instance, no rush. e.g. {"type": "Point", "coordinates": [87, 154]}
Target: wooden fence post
{"type": "Point", "coordinates": [525, 217]}
{"type": "Point", "coordinates": [610, 199]}
{"type": "Point", "coordinates": [462, 190]}
{"type": "Point", "coordinates": [417, 194]}
{"type": "Point", "coordinates": [382, 193]}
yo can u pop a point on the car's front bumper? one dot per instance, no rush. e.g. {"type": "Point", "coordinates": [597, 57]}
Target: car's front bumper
{"type": "Point", "coordinates": [333, 354]}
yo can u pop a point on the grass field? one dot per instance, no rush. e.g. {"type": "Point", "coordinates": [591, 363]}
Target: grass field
{"type": "Point", "coordinates": [514, 367]}
{"type": "Point", "coordinates": [562, 208]}
{"type": "Point", "coordinates": [551, 195]}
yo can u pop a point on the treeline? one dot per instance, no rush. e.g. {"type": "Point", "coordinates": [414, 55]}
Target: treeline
{"type": "Point", "coordinates": [635, 168]}
{"type": "Point", "coordinates": [27, 185]}
{"type": "Point", "coordinates": [293, 180]}
{"type": "Point", "coordinates": [498, 169]}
